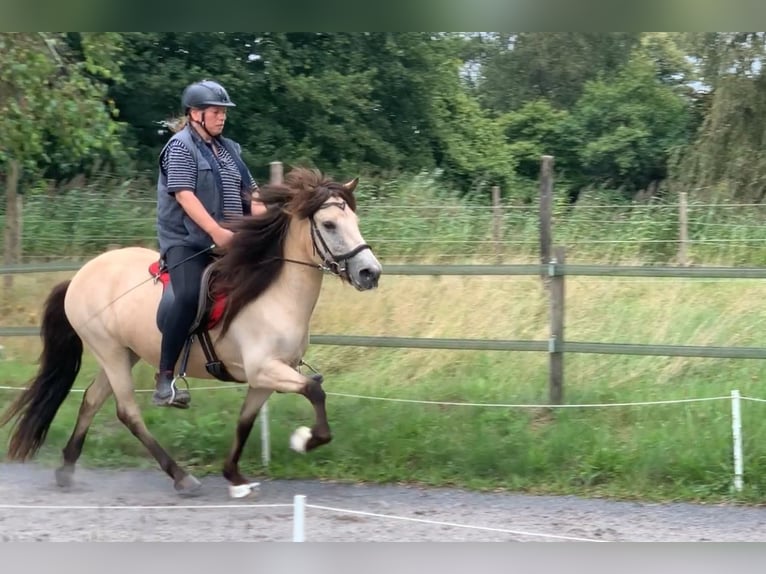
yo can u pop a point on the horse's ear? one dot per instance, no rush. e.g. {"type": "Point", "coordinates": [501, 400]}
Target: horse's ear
{"type": "Point", "coordinates": [351, 185]}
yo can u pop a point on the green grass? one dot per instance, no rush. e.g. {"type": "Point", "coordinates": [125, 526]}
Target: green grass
{"type": "Point", "coordinates": [662, 452]}
{"type": "Point", "coordinates": [659, 452]}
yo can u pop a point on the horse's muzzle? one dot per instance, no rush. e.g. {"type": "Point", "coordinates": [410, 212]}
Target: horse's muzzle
{"type": "Point", "coordinates": [368, 278]}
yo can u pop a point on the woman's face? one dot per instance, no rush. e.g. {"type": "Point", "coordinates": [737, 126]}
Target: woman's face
{"type": "Point", "coordinates": [213, 118]}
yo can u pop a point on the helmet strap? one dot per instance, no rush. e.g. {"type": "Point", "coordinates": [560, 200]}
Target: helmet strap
{"type": "Point", "coordinates": [202, 124]}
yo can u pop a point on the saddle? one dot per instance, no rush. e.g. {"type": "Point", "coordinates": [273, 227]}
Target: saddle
{"type": "Point", "coordinates": [209, 313]}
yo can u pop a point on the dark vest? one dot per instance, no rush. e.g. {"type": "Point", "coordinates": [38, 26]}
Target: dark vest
{"type": "Point", "coordinates": [174, 227]}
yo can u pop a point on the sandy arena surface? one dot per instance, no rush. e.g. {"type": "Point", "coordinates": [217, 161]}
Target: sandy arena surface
{"type": "Point", "coordinates": [514, 517]}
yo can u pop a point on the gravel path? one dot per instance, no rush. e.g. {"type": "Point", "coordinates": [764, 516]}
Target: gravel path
{"type": "Point", "coordinates": [514, 517]}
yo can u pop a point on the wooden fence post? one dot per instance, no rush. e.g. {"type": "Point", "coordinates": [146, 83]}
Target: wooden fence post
{"type": "Point", "coordinates": [556, 341]}
{"type": "Point", "coordinates": [276, 173]}
{"type": "Point", "coordinates": [546, 201]}
{"type": "Point", "coordinates": [497, 223]}
{"type": "Point", "coordinates": [683, 231]}
{"type": "Point", "coordinates": [12, 232]}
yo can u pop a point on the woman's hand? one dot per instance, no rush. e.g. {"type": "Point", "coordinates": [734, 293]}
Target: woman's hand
{"type": "Point", "coordinates": [199, 215]}
{"type": "Point", "coordinates": [221, 236]}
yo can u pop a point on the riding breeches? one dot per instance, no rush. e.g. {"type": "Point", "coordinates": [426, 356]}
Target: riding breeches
{"type": "Point", "coordinates": [186, 266]}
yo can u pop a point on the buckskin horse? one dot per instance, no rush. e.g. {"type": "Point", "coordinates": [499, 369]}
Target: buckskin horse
{"type": "Point", "coordinates": [267, 282]}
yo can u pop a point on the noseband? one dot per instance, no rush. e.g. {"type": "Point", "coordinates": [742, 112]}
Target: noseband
{"type": "Point", "coordinates": [335, 264]}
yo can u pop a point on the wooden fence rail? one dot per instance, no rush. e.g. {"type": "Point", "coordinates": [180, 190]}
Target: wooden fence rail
{"type": "Point", "coordinates": [556, 346]}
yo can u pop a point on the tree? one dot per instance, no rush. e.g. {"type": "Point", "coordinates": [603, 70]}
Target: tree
{"type": "Point", "coordinates": [726, 160]}
{"type": "Point", "coordinates": [470, 145]}
{"type": "Point", "coordinates": [629, 127]}
{"type": "Point", "coordinates": [523, 67]}
{"type": "Point", "coordinates": [536, 129]}
{"type": "Point", "coordinates": [54, 111]}
{"type": "Point", "coordinates": [378, 102]}
{"type": "Point", "coordinates": [54, 114]}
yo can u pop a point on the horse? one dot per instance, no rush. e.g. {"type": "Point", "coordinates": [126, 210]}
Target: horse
{"type": "Point", "coordinates": [269, 279]}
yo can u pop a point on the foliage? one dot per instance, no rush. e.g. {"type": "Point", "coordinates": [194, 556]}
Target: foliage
{"type": "Point", "coordinates": [471, 146]}
{"type": "Point", "coordinates": [725, 160]}
{"type": "Point", "coordinates": [628, 127]}
{"type": "Point", "coordinates": [610, 118]}
{"type": "Point", "coordinates": [91, 216]}
{"type": "Point", "coordinates": [54, 114]}
{"type": "Point", "coordinates": [537, 129]}
{"type": "Point", "coordinates": [375, 102]}
{"type": "Point", "coordinates": [633, 111]}
{"type": "Point", "coordinates": [671, 61]}
{"type": "Point", "coordinates": [522, 67]}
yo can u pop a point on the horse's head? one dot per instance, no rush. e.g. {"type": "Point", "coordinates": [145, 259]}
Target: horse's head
{"type": "Point", "coordinates": [336, 241]}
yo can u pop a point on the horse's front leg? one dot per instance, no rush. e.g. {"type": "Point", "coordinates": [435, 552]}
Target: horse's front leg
{"type": "Point", "coordinates": [283, 378]}
{"type": "Point", "coordinates": [241, 486]}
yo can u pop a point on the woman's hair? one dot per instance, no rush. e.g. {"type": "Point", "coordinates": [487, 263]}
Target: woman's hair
{"type": "Point", "coordinates": [176, 124]}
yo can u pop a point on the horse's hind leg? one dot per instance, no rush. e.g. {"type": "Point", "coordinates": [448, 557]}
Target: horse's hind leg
{"type": "Point", "coordinates": [130, 415]}
{"type": "Point", "coordinates": [94, 398]}
{"type": "Point", "coordinates": [117, 367]}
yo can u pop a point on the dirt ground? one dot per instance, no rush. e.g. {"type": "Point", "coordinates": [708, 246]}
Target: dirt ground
{"type": "Point", "coordinates": [514, 517]}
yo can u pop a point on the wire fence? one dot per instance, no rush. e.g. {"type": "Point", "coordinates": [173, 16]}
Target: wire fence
{"type": "Point", "coordinates": [735, 398]}
{"type": "Point", "coordinates": [300, 505]}
{"type": "Point", "coordinates": [655, 231]}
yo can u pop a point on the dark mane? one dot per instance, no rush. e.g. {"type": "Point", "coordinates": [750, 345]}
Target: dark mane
{"type": "Point", "coordinates": [254, 257]}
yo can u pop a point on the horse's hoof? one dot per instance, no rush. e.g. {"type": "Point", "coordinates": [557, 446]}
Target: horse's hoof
{"type": "Point", "coordinates": [188, 486]}
{"type": "Point", "coordinates": [242, 490]}
{"type": "Point", "coordinates": [300, 438]}
{"type": "Point", "coordinates": [64, 476]}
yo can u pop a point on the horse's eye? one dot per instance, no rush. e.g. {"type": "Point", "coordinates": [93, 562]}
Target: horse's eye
{"type": "Point", "coordinates": [329, 225]}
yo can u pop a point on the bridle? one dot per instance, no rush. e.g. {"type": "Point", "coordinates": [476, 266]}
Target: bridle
{"type": "Point", "coordinates": [332, 263]}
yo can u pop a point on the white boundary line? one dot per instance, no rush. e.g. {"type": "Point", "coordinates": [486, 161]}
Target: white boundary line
{"type": "Point", "coordinates": [440, 523]}
{"type": "Point", "coordinates": [298, 507]}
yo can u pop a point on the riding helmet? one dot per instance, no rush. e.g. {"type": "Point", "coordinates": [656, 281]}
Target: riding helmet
{"type": "Point", "coordinates": [205, 93]}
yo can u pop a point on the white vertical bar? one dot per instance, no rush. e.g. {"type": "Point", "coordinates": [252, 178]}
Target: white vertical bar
{"type": "Point", "coordinates": [265, 438]}
{"type": "Point", "coordinates": [299, 512]}
{"type": "Point", "coordinates": [736, 430]}
{"type": "Point", "coordinates": [276, 173]}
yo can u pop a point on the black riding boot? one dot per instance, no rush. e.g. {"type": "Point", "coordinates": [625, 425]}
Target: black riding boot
{"type": "Point", "coordinates": [167, 394]}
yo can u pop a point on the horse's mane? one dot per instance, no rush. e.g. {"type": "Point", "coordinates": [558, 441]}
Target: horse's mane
{"type": "Point", "coordinates": [253, 259]}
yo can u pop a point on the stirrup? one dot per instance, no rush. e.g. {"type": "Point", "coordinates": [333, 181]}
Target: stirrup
{"type": "Point", "coordinates": [173, 400]}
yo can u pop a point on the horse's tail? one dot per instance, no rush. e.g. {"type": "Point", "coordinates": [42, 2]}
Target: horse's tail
{"type": "Point", "coordinates": [59, 365]}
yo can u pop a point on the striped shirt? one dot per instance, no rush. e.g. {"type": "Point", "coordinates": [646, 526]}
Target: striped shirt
{"type": "Point", "coordinates": [178, 164]}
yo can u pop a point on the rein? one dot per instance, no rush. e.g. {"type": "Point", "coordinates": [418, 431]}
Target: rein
{"type": "Point", "coordinates": [331, 263]}
{"type": "Point", "coordinates": [168, 268]}
{"type": "Point", "coordinates": [154, 278]}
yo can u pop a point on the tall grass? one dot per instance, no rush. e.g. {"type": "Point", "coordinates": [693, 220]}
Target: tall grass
{"type": "Point", "coordinates": [660, 452]}
{"type": "Point", "coordinates": [88, 218]}
{"type": "Point", "coordinates": [417, 219]}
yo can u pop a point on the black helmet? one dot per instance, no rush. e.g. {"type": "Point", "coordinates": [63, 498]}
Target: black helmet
{"type": "Point", "coordinates": [205, 93]}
